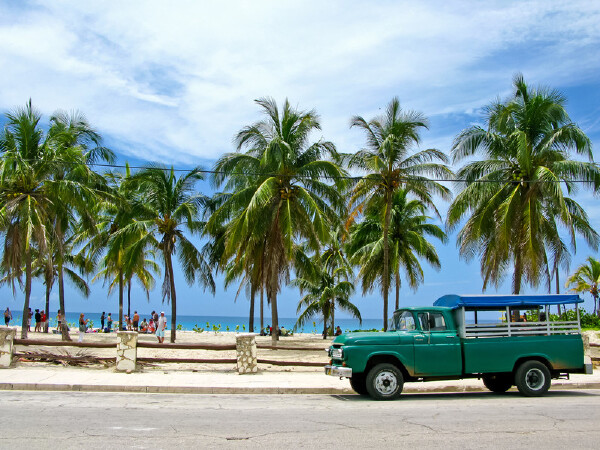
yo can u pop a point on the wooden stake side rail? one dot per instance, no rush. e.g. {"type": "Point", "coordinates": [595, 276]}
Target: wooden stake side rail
{"type": "Point", "coordinates": [185, 346]}
{"type": "Point", "coordinates": [64, 343]}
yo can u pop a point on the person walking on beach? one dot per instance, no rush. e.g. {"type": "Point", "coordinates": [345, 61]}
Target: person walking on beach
{"type": "Point", "coordinates": [7, 316]}
{"type": "Point", "coordinates": [38, 321]}
{"type": "Point", "coordinates": [136, 320]}
{"type": "Point", "coordinates": [102, 321]}
{"type": "Point", "coordinates": [59, 321]}
{"type": "Point", "coordinates": [109, 323]}
{"type": "Point", "coordinates": [82, 327]}
{"type": "Point", "coordinates": [160, 329]}
{"type": "Point", "coordinates": [44, 319]}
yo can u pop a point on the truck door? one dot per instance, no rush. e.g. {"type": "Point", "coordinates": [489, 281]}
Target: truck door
{"type": "Point", "coordinates": [437, 348]}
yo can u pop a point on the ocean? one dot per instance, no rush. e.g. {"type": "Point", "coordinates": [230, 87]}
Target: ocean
{"type": "Point", "coordinates": [225, 323]}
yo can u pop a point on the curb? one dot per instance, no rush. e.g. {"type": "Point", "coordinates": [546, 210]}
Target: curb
{"type": "Point", "coordinates": [249, 390]}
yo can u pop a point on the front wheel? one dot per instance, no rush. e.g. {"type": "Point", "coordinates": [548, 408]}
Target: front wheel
{"type": "Point", "coordinates": [385, 382]}
{"type": "Point", "coordinates": [498, 383]}
{"type": "Point", "coordinates": [532, 379]}
{"type": "Point", "coordinates": [358, 383]}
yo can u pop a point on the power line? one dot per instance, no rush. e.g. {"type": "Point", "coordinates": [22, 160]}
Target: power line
{"type": "Point", "coordinates": [329, 177]}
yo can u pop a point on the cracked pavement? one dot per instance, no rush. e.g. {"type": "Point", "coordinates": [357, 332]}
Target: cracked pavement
{"type": "Point", "coordinates": [432, 420]}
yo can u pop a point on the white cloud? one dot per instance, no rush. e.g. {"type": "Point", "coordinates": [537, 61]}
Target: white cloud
{"type": "Point", "coordinates": [175, 80]}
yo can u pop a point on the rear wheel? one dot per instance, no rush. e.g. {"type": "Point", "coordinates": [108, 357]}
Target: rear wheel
{"type": "Point", "coordinates": [385, 382]}
{"type": "Point", "coordinates": [532, 379]}
{"type": "Point", "coordinates": [358, 382]}
{"type": "Point", "coordinates": [498, 383]}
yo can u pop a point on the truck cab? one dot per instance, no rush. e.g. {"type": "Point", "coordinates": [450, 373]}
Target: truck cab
{"type": "Point", "coordinates": [441, 343]}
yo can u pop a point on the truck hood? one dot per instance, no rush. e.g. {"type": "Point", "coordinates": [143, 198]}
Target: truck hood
{"type": "Point", "coordinates": [369, 338]}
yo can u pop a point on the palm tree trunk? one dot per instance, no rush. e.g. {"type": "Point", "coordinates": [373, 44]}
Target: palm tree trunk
{"type": "Point", "coordinates": [557, 288]}
{"type": "Point", "coordinates": [333, 316]}
{"type": "Point", "coordinates": [27, 294]}
{"type": "Point", "coordinates": [274, 317]}
{"type": "Point", "coordinates": [64, 327]}
{"type": "Point", "coordinates": [386, 259]}
{"type": "Point", "coordinates": [251, 318]}
{"type": "Point", "coordinates": [121, 288]}
{"type": "Point", "coordinates": [397, 290]}
{"type": "Point", "coordinates": [262, 308]}
{"type": "Point", "coordinates": [516, 289]}
{"type": "Point", "coordinates": [173, 299]}
{"type": "Point", "coordinates": [129, 299]}
{"type": "Point", "coordinates": [48, 289]}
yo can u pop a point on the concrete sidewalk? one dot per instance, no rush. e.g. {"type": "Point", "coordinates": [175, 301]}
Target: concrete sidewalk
{"type": "Point", "coordinates": [213, 382]}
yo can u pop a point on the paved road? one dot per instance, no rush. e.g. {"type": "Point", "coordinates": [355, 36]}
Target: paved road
{"type": "Point", "coordinates": [466, 420]}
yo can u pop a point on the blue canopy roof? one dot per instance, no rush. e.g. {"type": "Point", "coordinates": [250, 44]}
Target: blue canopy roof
{"type": "Point", "coordinates": [493, 301]}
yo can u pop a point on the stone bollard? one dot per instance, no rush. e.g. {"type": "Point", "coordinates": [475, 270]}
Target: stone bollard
{"type": "Point", "coordinates": [7, 336]}
{"type": "Point", "coordinates": [126, 350]}
{"type": "Point", "coordinates": [246, 353]}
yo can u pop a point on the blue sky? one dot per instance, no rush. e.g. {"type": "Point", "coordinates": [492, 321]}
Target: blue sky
{"type": "Point", "coordinates": [172, 82]}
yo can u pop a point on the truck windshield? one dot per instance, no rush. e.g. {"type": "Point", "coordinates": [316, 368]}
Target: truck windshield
{"type": "Point", "coordinates": [403, 321]}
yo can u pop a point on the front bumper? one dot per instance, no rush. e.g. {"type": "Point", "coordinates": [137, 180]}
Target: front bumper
{"type": "Point", "coordinates": [337, 371]}
{"type": "Point", "coordinates": [588, 369]}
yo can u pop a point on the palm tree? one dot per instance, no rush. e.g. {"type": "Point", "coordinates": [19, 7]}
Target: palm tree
{"type": "Point", "coordinates": [324, 289]}
{"type": "Point", "coordinates": [278, 197]}
{"type": "Point", "coordinates": [391, 165]}
{"type": "Point", "coordinates": [172, 205]}
{"type": "Point", "coordinates": [408, 233]}
{"type": "Point", "coordinates": [25, 175]}
{"type": "Point", "coordinates": [586, 279]}
{"type": "Point", "coordinates": [515, 197]}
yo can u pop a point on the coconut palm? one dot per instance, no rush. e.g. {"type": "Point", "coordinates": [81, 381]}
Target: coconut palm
{"type": "Point", "coordinates": [408, 235]}
{"type": "Point", "coordinates": [278, 197]}
{"type": "Point", "coordinates": [514, 196]}
{"type": "Point", "coordinates": [390, 163]}
{"type": "Point", "coordinates": [324, 289]}
{"type": "Point", "coordinates": [172, 206]}
{"type": "Point", "coordinates": [587, 279]}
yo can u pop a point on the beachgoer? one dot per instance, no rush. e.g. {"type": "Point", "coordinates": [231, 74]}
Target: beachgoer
{"type": "Point", "coordinates": [59, 321]}
{"type": "Point", "coordinates": [270, 328]}
{"type": "Point", "coordinates": [7, 316]}
{"type": "Point", "coordinates": [160, 328]}
{"type": "Point", "coordinates": [109, 322]}
{"type": "Point", "coordinates": [29, 320]}
{"type": "Point", "coordinates": [144, 326]}
{"type": "Point", "coordinates": [155, 317]}
{"type": "Point", "coordinates": [44, 318]}
{"type": "Point", "coordinates": [38, 320]}
{"type": "Point", "coordinates": [82, 326]}
{"type": "Point", "coordinates": [136, 320]}
{"type": "Point", "coordinates": [338, 331]}
{"type": "Point", "coordinates": [102, 318]}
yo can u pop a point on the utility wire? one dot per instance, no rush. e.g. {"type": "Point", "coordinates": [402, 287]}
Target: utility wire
{"type": "Point", "coordinates": [330, 177]}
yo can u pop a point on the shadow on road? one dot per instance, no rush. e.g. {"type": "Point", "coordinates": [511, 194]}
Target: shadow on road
{"type": "Point", "coordinates": [457, 395]}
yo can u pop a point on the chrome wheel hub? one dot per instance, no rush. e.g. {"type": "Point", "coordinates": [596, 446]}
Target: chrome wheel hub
{"type": "Point", "coordinates": [386, 383]}
{"type": "Point", "coordinates": [535, 379]}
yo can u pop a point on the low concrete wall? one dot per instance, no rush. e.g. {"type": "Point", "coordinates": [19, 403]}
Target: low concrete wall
{"type": "Point", "coordinates": [246, 353]}
{"type": "Point", "coordinates": [7, 336]}
{"type": "Point", "coordinates": [126, 351]}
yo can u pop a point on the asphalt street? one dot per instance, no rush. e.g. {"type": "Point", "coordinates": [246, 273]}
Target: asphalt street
{"type": "Point", "coordinates": [462, 420]}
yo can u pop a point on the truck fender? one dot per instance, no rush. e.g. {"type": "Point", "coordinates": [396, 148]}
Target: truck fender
{"type": "Point", "coordinates": [388, 357]}
{"type": "Point", "coordinates": [543, 358]}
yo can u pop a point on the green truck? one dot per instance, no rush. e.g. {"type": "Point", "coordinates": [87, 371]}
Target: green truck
{"type": "Point", "coordinates": [504, 340]}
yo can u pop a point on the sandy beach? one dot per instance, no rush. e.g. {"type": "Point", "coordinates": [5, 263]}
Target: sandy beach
{"type": "Point", "coordinates": [190, 337]}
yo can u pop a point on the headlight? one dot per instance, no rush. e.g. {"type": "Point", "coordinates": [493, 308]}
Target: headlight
{"type": "Point", "coordinates": [337, 352]}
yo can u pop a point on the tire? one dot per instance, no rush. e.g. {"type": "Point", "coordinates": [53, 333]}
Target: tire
{"type": "Point", "coordinates": [385, 382]}
{"type": "Point", "coordinates": [498, 383]}
{"type": "Point", "coordinates": [532, 379]}
{"type": "Point", "coordinates": [358, 382]}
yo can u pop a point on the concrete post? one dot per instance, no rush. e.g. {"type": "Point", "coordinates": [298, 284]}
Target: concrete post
{"type": "Point", "coordinates": [126, 350]}
{"type": "Point", "coordinates": [246, 353]}
{"type": "Point", "coordinates": [7, 336]}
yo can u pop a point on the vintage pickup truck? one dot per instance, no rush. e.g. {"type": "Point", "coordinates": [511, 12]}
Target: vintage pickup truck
{"type": "Point", "coordinates": [451, 341]}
